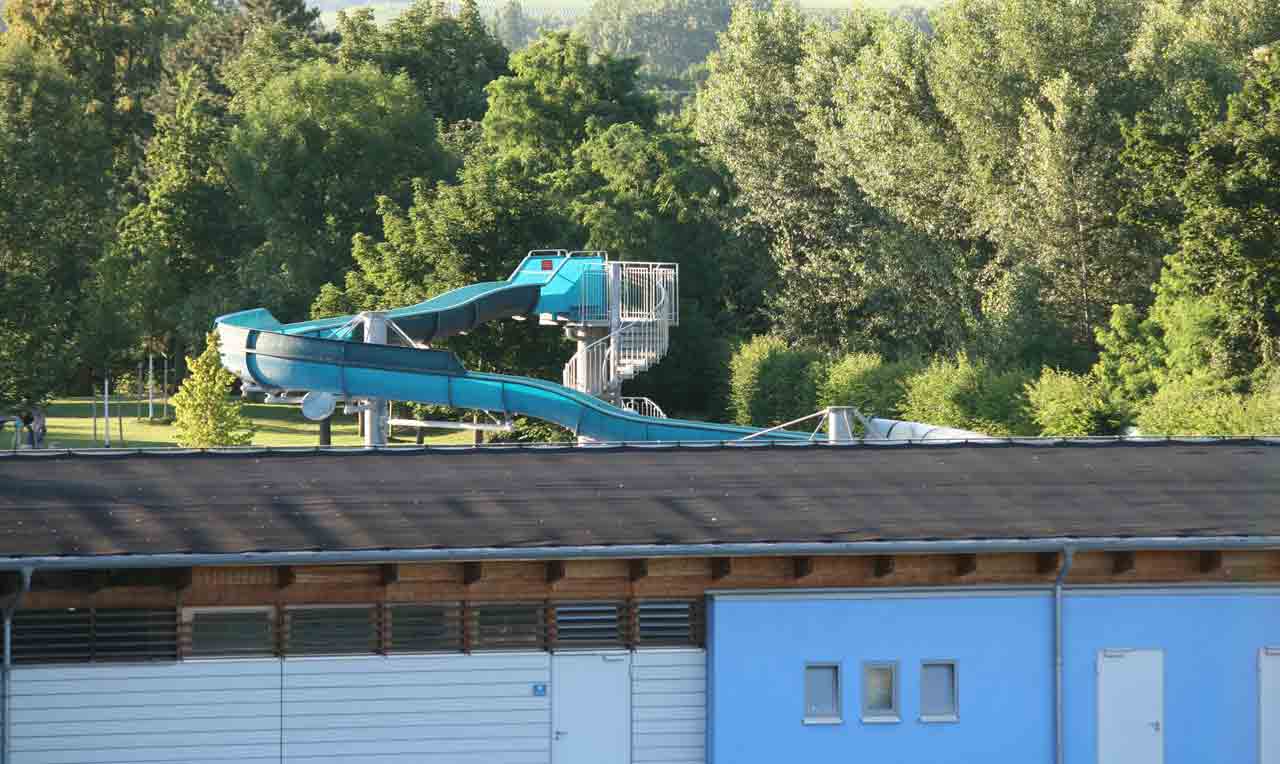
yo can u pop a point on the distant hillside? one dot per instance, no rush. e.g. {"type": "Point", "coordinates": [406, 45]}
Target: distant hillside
{"type": "Point", "coordinates": [385, 10]}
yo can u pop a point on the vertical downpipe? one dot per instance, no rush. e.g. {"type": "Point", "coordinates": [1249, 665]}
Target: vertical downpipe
{"type": "Point", "coordinates": [1059, 744]}
{"type": "Point", "coordinates": [6, 708]}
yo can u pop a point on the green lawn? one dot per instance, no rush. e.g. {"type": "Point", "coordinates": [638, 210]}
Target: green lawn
{"type": "Point", "coordinates": [71, 426]}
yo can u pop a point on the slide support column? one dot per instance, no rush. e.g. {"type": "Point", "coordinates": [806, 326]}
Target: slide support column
{"type": "Point", "coordinates": [374, 415]}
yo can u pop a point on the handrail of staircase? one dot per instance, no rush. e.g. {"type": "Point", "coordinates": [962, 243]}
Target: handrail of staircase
{"type": "Point", "coordinates": [643, 406]}
{"type": "Point", "coordinates": [657, 314]}
{"type": "Point", "coordinates": [647, 325]}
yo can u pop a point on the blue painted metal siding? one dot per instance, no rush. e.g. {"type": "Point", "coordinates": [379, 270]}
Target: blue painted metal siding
{"type": "Point", "coordinates": [1210, 643]}
{"type": "Point", "coordinates": [1002, 644]}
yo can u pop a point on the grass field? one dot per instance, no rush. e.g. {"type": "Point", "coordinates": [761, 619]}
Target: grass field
{"type": "Point", "coordinates": [71, 426]}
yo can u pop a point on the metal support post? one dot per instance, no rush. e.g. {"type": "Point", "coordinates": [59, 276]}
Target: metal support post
{"type": "Point", "coordinates": [374, 413]}
{"type": "Point", "coordinates": [839, 427]}
{"type": "Point", "coordinates": [106, 407]}
{"type": "Point", "coordinates": [611, 385]}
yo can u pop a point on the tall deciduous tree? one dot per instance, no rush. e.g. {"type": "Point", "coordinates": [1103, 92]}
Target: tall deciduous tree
{"type": "Point", "coordinates": [556, 93]}
{"type": "Point", "coordinates": [314, 150]}
{"type": "Point", "coordinates": [112, 47]}
{"type": "Point", "coordinates": [185, 239]}
{"type": "Point", "coordinates": [291, 13]}
{"type": "Point", "coordinates": [1230, 240]}
{"type": "Point", "coordinates": [449, 58]}
{"type": "Point", "coordinates": [54, 164]}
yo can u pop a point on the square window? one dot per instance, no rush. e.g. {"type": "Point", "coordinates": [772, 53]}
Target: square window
{"type": "Point", "coordinates": [822, 693]}
{"type": "Point", "coordinates": [939, 696]}
{"type": "Point", "coordinates": [880, 692]}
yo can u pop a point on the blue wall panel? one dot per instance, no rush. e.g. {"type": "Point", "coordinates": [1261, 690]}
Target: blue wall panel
{"type": "Point", "coordinates": [1210, 643]}
{"type": "Point", "coordinates": [1002, 643]}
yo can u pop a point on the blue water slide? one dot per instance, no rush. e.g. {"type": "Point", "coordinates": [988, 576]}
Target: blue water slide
{"type": "Point", "coordinates": [328, 356]}
{"type": "Point", "coordinates": [544, 284]}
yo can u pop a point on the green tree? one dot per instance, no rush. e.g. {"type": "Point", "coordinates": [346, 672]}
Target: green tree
{"type": "Point", "coordinates": [266, 53]}
{"type": "Point", "coordinates": [888, 133]}
{"type": "Point", "coordinates": [639, 192]}
{"type": "Point", "coordinates": [296, 14]}
{"type": "Point", "coordinates": [183, 241]}
{"type": "Point", "coordinates": [515, 28]}
{"type": "Point", "coordinates": [113, 48]}
{"type": "Point", "coordinates": [314, 150]}
{"type": "Point", "coordinates": [556, 93]}
{"type": "Point", "coordinates": [449, 58]}
{"type": "Point", "coordinates": [849, 277]}
{"type": "Point", "coordinates": [1229, 249]}
{"type": "Point", "coordinates": [54, 164]}
{"type": "Point", "coordinates": [668, 35]}
{"type": "Point", "coordinates": [205, 415]}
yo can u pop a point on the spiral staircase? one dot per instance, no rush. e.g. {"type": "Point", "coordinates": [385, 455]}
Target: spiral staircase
{"type": "Point", "coordinates": [625, 314]}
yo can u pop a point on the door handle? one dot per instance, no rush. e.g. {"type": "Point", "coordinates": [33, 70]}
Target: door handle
{"type": "Point", "coordinates": [560, 733]}
{"type": "Point", "coordinates": [1155, 726]}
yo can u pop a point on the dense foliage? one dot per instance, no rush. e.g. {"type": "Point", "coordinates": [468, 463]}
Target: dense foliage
{"type": "Point", "coordinates": [1015, 216]}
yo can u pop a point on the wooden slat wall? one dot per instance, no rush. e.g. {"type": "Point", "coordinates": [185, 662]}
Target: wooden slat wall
{"type": "Point", "coordinates": [185, 713]}
{"type": "Point", "coordinates": [588, 580]}
{"type": "Point", "coordinates": [669, 706]}
{"type": "Point", "coordinates": [418, 709]}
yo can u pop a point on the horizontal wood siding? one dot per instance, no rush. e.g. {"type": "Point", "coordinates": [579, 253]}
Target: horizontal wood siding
{"type": "Point", "coordinates": [669, 706]}
{"type": "Point", "coordinates": [439, 709]}
{"type": "Point", "coordinates": [190, 713]}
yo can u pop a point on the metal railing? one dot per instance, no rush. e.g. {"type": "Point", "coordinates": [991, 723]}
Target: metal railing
{"type": "Point", "coordinates": [593, 295]}
{"type": "Point", "coordinates": [642, 298]}
{"type": "Point", "coordinates": [643, 407]}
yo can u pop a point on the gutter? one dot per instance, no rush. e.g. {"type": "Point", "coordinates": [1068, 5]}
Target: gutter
{"type": "Point", "coordinates": [9, 610]}
{"type": "Point", "coordinates": [751, 549]}
{"type": "Point", "coordinates": [1059, 742]}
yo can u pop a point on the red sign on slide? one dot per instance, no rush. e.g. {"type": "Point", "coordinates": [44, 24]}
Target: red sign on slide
{"type": "Point", "coordinates": [546, 265]}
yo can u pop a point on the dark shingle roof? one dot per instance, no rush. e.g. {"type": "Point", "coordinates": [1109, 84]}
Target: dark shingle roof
{"type": "Point", "coordinates": [226, 503]}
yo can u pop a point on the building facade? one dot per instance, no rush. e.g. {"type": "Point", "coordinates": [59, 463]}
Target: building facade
{"type": "Point", "coordinates": [741, 605]}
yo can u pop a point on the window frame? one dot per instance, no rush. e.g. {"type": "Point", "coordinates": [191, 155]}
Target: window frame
{"type": "Point", "coordinates": [838, 718]}
{"type": "Point", "coordinates": [954, 716]}
{"type": "Point", "coordinates": [877, 716]}
{"type": "Point", "coordinates": [286, 636]}
{"type": "Point", "coordinates": [186, 634]}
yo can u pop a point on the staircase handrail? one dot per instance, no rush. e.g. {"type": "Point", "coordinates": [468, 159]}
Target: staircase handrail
{"type": "Point", "coordinates": [603, 347]}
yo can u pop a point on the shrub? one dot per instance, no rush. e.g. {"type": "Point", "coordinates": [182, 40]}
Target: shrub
{"type": "Point", "coordinates": [1071, 405]}
{"type": "Point", "coordinates": [1184, 407]}
{"type": "Point", "coordinates": [205, 415]}
{"type": "Point", "coordinates": [868, 383]}
{"type": "Point", "coordinates": [771, 382]}
{"type": "Point", "coordinates": [970, 396]}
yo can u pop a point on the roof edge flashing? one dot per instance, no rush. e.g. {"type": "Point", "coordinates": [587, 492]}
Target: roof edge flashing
{"type": "Point", "coordinates": [753, 549]}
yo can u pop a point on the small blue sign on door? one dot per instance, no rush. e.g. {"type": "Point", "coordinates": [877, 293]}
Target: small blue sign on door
{"type": "Point", "coordinates": [539, 691]}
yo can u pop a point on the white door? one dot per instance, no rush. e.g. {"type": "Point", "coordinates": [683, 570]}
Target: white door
{"type": "Point", "coordinates": [1130, 707]}
{"type": "Point", "coordinates": [1269, 704]}
{"type": "Point", "coordinates": [591, 708]}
